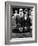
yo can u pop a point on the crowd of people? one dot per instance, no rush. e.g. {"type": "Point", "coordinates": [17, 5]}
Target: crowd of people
{"type": "Point", "coordinates": [23, 21]}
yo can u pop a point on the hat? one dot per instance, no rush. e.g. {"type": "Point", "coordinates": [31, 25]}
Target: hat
{"type": "Point", "coordinates": [25, 10]}
{"type": "Point", "coordinates": [20, 9]}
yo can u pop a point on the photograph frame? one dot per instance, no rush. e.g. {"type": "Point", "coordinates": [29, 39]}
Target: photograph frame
{"type": "Point", "coordinates": [7, 21]}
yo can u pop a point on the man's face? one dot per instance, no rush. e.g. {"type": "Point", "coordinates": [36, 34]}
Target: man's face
{"type": "Point", "coordinates": [15, 11]}
{"type": "Point", "coordinates": [21, 13]}
{"type": "Point", "coordinates": [26, 12]}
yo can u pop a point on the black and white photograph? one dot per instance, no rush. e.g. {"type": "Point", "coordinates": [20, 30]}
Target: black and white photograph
{"type": "Point", "coordinates": [20, 22]}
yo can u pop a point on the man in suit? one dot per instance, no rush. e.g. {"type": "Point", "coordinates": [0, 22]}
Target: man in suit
{"type": "Point", "coordinates": [19, 19]}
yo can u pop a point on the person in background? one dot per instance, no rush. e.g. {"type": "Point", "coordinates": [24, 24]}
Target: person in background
{"type": "Point", "coordinates": [26, 14]}
{"type": "Point", "coordinates": [15, 14]}
{"type": "Point", "coordinates": [13, 19]}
